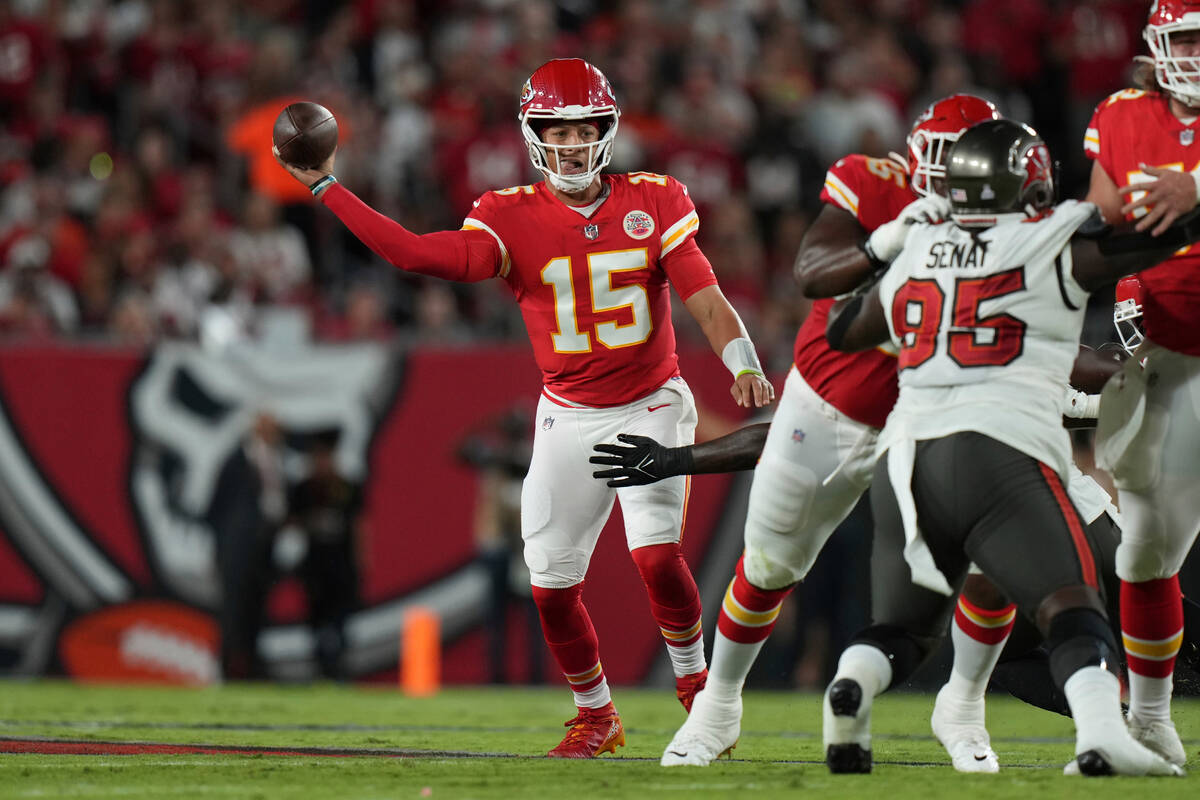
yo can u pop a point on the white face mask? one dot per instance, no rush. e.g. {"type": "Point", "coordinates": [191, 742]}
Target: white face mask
{"type": "Point", "coordinates": [595, 155]}
{"type": "Point", "coordinates": [1179, 75]}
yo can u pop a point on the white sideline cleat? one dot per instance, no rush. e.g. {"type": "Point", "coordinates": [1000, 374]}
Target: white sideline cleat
{"type": "Point", "coordinates": [960, 728]}
{"type": "Point", "coordinates": [846, 727]}
{"type": "Point", "coordinates": [1160, 737]}
{"type": "Point", "coordinates": [710, 731]}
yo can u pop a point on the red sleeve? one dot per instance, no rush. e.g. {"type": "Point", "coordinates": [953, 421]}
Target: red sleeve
{"type": "Point", "coordinates": [688, 269]}
{"type": "Point", "coordinates": [454, 255]}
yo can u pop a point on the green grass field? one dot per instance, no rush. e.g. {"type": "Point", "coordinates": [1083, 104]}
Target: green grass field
{"type": "Point", "coordinates": [487, 743]}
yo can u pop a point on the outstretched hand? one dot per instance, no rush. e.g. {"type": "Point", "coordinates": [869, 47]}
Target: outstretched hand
{"type": "Point", "coordinates": [306, 176]}
{"type": "Point", "coordinates": [637, 462]}
{"type": "Point", "coordinates": [1169, 196]}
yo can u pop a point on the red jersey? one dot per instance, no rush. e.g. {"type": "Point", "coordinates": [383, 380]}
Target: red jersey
{"type": "Point", "coordinates": [863, 385]}
{"type": "Point", "coordinates": [1135, 127]}
{"type": "Point", "coordinates": [593, 290]}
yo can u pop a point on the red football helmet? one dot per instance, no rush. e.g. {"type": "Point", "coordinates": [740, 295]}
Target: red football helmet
{"type": "Point", "coordinates": [1127, 312]}
{"type": "Point", "coordinates": [935, 130]}
{"type": "Point", "coordinates": [568, 89]}
{"type": "Point", "coordinates": [1178, 75]}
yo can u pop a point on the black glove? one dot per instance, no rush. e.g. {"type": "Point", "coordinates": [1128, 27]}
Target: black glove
{"type": "Point", "coordinates": [640, 461]}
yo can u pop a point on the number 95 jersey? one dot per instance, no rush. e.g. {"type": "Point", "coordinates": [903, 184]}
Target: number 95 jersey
{"type": "Point", "coordinates": [593, 287]}
{"type": "Point", "coordinates": [987, 323]}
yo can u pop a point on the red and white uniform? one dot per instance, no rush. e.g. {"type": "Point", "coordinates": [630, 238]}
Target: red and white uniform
{"type": "Point", "coordinates": [819, 453]}
{"type": "Point", "coordinates": [1149, 429]}
{"type": "Point", "coordinates": [1129, 129]}
{"type": "Point", "coordinates": [594, 290]}
{"type": "Point", "coordinates": [592, 285]}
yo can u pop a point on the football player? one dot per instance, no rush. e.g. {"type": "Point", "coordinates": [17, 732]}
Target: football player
{"type": "Point", "coordinates": [590, 258]}
{"type": "Point", "coordinates": [987, 311]}
{"type": "Point", "coordinates": [1146, 167]}
{"type": "Point", "coordinates": [819, 451]}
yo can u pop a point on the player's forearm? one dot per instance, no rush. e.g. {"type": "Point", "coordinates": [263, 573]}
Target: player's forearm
{"type": "Point", "coordinates": [857, 323]}
{"type": "Point", "coordinates": [731, 453]}
{"type": "Point", "coordinates": [830, 262]}
{"type": "Point", "coordinates": [1101, 256]}
{"type": "Point", "coordinates": [444, 254]}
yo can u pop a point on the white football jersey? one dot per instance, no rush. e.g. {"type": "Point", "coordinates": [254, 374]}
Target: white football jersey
{"type": "Point", "coordinates": [988, 324]}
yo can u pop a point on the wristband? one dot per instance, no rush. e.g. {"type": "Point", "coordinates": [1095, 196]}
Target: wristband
{"type": "Point", "coordinates": [739, 358]}
{"type": "Point", "coordinates": [1196, 178]}
{"type": "Point", "coordinates": [321, 184]}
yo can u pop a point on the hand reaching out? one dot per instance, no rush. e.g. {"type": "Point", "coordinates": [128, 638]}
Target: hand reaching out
{"type": "Point", "coordinates": [1170, 195]}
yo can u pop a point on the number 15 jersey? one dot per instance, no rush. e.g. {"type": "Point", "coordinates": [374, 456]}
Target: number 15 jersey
{"type": "Point", "coordinates": [987, 323]}
{"type": "Point", "coordinates": [593, 290]}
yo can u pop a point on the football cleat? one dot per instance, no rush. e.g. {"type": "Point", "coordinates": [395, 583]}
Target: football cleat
{"type": "Point", "coordinates": [687, 687]}
{"type": "Point", "coordinates": [592, 731]}
{"type": "Point", "coordinates": [710, 731]}
{"type": "Point", "coordinates": [847, 728]}
{"type": "Point", "coordinates": [958, 725]}
{"type": "Point", "coordinates": [1118, 754]}
{"type": "Point", "coordinates": [1160, 737]}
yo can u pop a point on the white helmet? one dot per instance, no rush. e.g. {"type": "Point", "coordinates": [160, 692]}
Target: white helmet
{"type": "Point", "coordinates": [1178, 75]}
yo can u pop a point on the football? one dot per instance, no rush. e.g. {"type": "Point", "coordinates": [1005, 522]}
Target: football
{"type": "Point", "coordinates": [305, 134]}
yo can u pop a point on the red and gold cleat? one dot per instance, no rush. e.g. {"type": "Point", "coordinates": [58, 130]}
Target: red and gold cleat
{"type": "Point", "coordinates": [593, 731]}
{"type": "Point", "coordinates": [687, 687]}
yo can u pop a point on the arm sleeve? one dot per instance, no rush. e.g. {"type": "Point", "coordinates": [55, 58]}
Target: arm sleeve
{"type": "Point", "coordinates": [465, 255]}
{"type": "Point", "coordinates": [688, 269]}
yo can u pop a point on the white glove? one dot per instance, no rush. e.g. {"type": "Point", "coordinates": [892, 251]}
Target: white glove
{"type": "Point", "coordinates": [1080, 405]}
{"type": "Point", "coordinates": [886, 242]}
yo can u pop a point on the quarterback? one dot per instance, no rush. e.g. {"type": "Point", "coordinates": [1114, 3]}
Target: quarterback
{"type": "Point", "coordinates": [590, 259]}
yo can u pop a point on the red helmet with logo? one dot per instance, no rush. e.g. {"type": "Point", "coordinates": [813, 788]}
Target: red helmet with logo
{"type": "Point", "coordinates": [1127, 312]}
{"type": "Point", "coordinates": [1178, 75]}
{"type": "Point", "coordinates": [568, 89]}
{"type": "Point", "coordinates": [935, 130]}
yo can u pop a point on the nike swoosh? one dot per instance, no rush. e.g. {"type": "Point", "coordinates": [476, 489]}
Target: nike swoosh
{"type": "Point", "coordinates": [981, 758]}
{"type": "Point", "coordinates": [677, 753]}
{"type": "Point", "coordinates": [656, 408]}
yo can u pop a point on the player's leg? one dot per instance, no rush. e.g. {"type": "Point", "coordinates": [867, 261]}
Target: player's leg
{"type": "Point", "coordinates": [1158, 482]}
{"type": "Point", "coordinates": [654, 516]}
{"type": "Point", "coordinates": [1024, 667]}
{"type": "Point", "coordinates": [562, 512]}
{"type": "Point", "coordinates": [906, 623]}
{"type": "Point", "coordinates": [1027, 510]}
{"type": "Point", "coordinates": [814, 466]}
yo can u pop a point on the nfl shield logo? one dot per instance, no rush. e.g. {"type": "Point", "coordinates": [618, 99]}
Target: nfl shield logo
{"type": "Point", "coordinates": [591, 231]}
{"type": "Point", "coordinates": [797, 436]}
{"type": "Point", "coordinates": [1187, 136]}
{"type": "Point", "coordinates": [547, 423]}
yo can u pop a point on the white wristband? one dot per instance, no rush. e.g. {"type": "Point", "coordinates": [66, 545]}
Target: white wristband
{"type": "Point", "coordinates": [740, 358]}
{"type": "Point", "coordinates": [1080, 405]}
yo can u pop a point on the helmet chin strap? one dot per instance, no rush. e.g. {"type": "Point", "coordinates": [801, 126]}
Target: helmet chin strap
{"type": "Point", "coordinates": [568, 183]}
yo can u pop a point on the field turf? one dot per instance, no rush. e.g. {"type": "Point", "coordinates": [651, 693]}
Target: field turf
{"type": "Point", "coordinates": [326, 741]}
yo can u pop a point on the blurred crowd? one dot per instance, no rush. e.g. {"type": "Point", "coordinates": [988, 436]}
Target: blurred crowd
{"type": "Point", "coordinates": [139, 200]}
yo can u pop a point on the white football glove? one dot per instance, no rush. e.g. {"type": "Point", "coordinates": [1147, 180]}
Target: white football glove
{"type": "Point", "coordinates": [886, 242]}
{"type": "Point", "coordinates": [1080, 405]}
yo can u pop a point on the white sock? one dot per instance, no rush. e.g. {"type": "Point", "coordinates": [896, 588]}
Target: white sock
{"type": "Point", "coordinates": [1149, 698]}
{"type": "Point", "coordinates": [731, 661]}
{"type": "Point", "coordinates": [596, 697]}
{"type": "Point", "coordinates": [868, 665]}
{"type": "Point", "coordinates": [688, 659]}
{"type": "Point", "coordinates": [973, 664]}
{"type": "Point", "coordinates": [1094, 695]}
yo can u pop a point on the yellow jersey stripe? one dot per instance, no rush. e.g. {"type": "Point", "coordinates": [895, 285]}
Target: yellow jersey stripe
{"type": "Point", "coordinates": [472, 224]}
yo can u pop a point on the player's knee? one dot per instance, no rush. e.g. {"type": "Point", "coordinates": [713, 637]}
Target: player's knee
{"type": "Point", "coordinates": [1078, 638]}
{"type": "Point", "coordinates": [764, 571]}
{"type": "Point", "coordinates": [554, 605]}
{"type": "Point", "coordinates": [1140, 560]}
{"type": "Point", "coordinates": [554, 567]}
{"type": "Point", "coordinates": [780, 497]}
{"type": "Point", "coordinates": [658, 561]}
{"type": "Point", "coordinates": [906, 649]}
